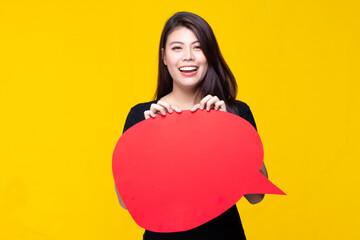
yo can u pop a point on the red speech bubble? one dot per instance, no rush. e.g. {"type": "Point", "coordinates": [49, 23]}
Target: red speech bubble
{"type": "Point", "coordinates": [178, 171]}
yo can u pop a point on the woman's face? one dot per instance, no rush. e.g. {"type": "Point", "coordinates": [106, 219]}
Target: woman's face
{"type": "Point", "coordinates": [184, 59]}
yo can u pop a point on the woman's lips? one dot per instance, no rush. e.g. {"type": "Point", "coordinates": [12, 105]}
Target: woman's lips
{"type": "Point", "coordinates": [189, 74]}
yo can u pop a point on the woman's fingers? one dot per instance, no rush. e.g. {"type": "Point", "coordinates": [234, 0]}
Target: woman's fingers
{"type": "Point", "coordinates": [149, 114]}
{"type": "Point", "coordinates": [161, 107]}
{"type": "Point", "coordinates": [175, 108]}
{"type": "Point", "coordinates": [204, 101]}
{"type": "Point", "coordinates": [208, 102]}
{"type": "Point", "coordinates": [165, 105]}
{"type": "Point", "coordinates": [152, 114]}
{"type": "Point", "coordinates": [195, 107]}
{"type": "Point", "coordinates": [212, 102]}
{"type": "Point", "coordinates": [220, 105]}
{"type": "Point", "coordinates": [155, 108]}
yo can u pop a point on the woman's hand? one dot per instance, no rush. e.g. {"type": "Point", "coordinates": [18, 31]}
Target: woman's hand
{"type": "Point", "coordinates": [161, 107]}
{"type": "Point", "coordinates": [210, 102]}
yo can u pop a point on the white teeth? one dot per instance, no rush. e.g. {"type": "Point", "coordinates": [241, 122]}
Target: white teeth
{"type": "Point", "coordinates": [188, 68]}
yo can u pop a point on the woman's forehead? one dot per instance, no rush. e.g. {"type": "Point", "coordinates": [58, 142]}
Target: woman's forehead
{"type": "Point", "coordinates": [182, 35]}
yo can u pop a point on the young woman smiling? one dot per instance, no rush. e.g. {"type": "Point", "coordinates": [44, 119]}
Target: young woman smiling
{"type": "Point", "coordinates": [193, 75]}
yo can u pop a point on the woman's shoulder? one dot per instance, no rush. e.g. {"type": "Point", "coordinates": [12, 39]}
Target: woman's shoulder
{"type": "Point", "coordinates": [137, 111]}
{"type": "Point", "coordinates": [142, 106]}
{"type": "Point", "coordinates": [245, 112]}
{"type": "Point", "coordinates": [136, 114]}
{"type": "Point", "coordinates": [242, 107]}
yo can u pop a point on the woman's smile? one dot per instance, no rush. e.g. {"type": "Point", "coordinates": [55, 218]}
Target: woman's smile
{"type": "Point", "coordinates": [188, 71]}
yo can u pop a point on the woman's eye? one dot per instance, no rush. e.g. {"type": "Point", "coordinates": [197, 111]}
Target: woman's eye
{"type": "Point", "coordinates": [197, 47]}
{"type": "Point", "coordinates": [176, 48]}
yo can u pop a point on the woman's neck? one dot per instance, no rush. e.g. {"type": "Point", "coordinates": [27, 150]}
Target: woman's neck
{"type": "Point", "coordinates": [182, 99]}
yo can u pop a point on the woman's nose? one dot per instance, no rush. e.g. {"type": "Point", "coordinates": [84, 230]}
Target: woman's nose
{"type": "Point", "coordinates": [188, 55]}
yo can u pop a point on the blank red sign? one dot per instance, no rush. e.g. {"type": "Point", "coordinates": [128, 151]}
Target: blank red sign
{"type": "Point", "coordinates": [178, 171]}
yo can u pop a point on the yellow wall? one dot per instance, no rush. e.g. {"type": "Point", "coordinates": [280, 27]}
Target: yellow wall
{"type": "Point", "coordinates": [71, 70]}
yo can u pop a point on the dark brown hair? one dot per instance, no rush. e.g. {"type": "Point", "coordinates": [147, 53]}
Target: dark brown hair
{"type": "Point", "coordinates": [219, 80]}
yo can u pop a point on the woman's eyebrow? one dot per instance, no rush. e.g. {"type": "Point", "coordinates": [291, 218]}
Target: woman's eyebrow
{"type": "Point", "coordinates": [182, 42]}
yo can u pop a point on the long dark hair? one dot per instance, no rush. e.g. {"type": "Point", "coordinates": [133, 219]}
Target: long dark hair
{"type": "Point", "coordinates": [219, 80]}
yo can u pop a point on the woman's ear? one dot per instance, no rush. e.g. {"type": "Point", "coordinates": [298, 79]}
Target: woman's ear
{"type": "Point", "coordinates": [163, 55]}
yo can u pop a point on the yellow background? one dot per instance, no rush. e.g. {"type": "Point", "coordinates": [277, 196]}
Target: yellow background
{"type": "Point", "coordinates": [71, 70]}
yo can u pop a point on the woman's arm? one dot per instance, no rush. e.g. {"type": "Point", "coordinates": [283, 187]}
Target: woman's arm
{"type": "Point", "coordinates": [256, 198]}
{"type": "Point", "coordinates": [119, 198]}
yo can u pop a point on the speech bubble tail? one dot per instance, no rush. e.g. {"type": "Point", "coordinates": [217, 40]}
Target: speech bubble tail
{"type": "Point", "coordinates": [262, 185]}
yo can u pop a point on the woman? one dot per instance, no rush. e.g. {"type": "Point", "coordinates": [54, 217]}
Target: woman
{"type": "Point", "coordinates": [193, 75]}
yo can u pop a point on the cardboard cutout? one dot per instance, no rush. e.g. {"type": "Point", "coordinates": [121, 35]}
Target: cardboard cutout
{"type": "Point", "coordinates": [179, 171]}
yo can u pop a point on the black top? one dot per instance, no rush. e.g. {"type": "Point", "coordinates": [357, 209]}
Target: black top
{"type": "Point", "coordinates": [228, 225]}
